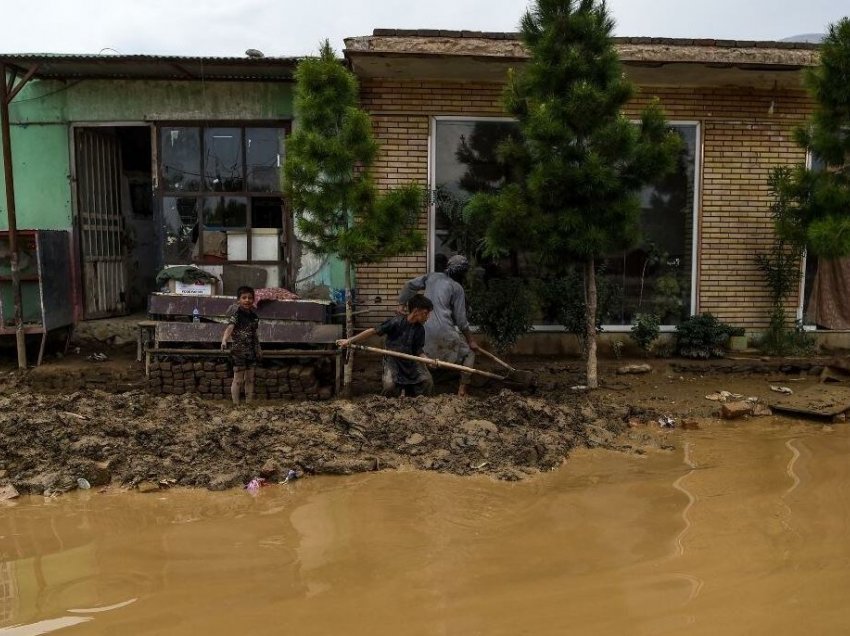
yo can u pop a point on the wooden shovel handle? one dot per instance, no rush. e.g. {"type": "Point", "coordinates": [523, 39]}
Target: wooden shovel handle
{"type": "Point", "coordinates": [495, 359]}
{"type": "Point", "coordinates": [430, 361]}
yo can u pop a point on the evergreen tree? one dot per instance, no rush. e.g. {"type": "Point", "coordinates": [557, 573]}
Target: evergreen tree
{"type": "Point", "coordinates": [817, 218]}
{"type": "Point", "coordinates": [584, 162]}
{"type": "Point", "coordinates": [329, 156]}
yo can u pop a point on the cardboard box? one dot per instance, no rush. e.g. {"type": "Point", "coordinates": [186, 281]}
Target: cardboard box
{"type": "Point", "coordinates": [191, 289]}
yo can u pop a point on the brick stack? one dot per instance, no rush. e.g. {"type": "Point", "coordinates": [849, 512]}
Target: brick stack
{"type": "Point", "coordinates": [213, 379]}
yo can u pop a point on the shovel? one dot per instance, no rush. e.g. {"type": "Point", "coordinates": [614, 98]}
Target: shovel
{"type": "Point", "coordinates": [515, 375]}
{"type": "Point", "coordinates": [440, 364]}
{"type": "Point", "coordinates": [429, 361]}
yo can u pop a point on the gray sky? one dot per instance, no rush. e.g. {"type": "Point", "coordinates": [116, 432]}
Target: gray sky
{"type": "Point", "coordinates": [294, 27]}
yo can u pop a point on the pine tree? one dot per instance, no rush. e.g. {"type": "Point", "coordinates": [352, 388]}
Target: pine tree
{"type": "Point", "coordinates": [818, 216]}
{"type": "Point", "coordinates": [584, 162]}
{"type": "Point", "coordinates": [337, 207]}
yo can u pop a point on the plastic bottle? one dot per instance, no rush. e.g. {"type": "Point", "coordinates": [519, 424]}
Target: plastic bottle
{"type": "Point", "coordinates": [196, 315]}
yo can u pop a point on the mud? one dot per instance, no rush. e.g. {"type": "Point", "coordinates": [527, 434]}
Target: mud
{"type": "Point", "coordinates": [49, 441]}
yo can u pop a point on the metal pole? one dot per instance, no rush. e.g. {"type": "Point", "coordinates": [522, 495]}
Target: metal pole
{"type": "Point", "coordinates": [12, 219]}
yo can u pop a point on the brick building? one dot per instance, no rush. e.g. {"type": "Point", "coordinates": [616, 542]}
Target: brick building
{"type": "Point", "coordinates": [435, 100]}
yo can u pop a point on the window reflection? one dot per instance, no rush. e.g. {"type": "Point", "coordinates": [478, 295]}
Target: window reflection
{"type": "Point", "coordinates": [180, 159]}
{"type": "Point", "coordinates": [655, 276]}
{"type": "Point", "coordinates": [223, 159]}
{"type": "Point", "coordinates": [180, 221]}
{"type": "Point", "coordinates": [225, 212]}
{"type": "Point", "coordinates": [264, 149]}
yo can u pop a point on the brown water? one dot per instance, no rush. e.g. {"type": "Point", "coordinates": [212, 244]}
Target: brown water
{"type": "Point", "coordinates": [742, 530]}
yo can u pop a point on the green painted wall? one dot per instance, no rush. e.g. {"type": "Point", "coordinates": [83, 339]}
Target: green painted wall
{"type": "Point", "coordinates": [42, 185]}
{"type": "Point", "coordinates": [43, 112]}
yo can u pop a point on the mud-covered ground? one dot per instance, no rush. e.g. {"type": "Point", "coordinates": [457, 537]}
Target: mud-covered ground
{"type": "Point", "coordinates": [51, 435]}
{"type": "Point", "coordinates": [47, 442]}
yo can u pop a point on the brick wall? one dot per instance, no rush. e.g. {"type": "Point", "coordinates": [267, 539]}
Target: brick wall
{"type": "Point", "coordinates": [741, 142]}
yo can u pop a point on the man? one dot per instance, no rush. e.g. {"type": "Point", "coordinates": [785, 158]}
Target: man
{"type": "Point", "coordinates": [447, 334]}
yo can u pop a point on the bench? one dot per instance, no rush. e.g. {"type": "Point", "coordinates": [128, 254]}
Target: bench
{"type": "Point", "coordinates": [287, 329]}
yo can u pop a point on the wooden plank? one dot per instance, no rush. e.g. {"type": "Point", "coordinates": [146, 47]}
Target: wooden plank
{"type": "Point", "coordinates": [217, 306]}
{"type": "Point", "coordinates": [269, 331]}
{"type": "Point", "coordinates": [819, 401]}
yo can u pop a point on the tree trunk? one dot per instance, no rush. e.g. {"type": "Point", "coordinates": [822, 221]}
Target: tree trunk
{"type": "Point", "coordinates": [590, 322]}
{"type": "Point", "coordinates": [349, 332]}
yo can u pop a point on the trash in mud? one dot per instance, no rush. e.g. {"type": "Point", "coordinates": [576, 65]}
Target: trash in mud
{"type": "Point", "coordinates": [634, 369]}
{"type": "Point", "coordinates": [255, 484]}
{"type": "Point", "coordinates": [291, 475]}
{"type": "Point", "coordinates": [83, 484]}
{"type": "Point", "coordinates": [781, 389]}
{"type": "Point", "coordinates": [724, 396]}
{"type": "Point", "coordinates": [665, 421]}
{"type": "Point", "coordinates": [579, 387]}
{"type": "Point", "coordinates": [98, 357]}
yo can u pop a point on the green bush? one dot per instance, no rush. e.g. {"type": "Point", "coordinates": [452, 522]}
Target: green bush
{"type": "Point", "coordinates": [704, 336]}
{"type": "Point", "coordinates": [503, 308]}
{"type": "Point", "coordinates": [645, 331]}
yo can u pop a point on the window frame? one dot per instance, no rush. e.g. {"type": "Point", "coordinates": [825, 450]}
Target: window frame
{"type": "Point", "coordinates": [695, 229]}
{"type": "Point", "coordinates": [287, 225]}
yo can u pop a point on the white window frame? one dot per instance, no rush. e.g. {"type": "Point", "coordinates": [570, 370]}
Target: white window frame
{"type": "Point", "coordinates": [432, 209]}
{"type": "Point", "coordinates": [801, 301]}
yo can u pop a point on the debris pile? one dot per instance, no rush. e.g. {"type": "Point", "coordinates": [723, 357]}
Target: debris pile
{"type": "Point", "coordinates": [49, 443]}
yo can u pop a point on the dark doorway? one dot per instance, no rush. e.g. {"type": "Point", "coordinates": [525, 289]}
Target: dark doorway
{"type": "Point", "coordinates": [115, 224]}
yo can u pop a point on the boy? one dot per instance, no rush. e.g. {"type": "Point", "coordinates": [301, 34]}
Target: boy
{"type": "Point", "coordinates": [242, 323]}
{"type": "Point", "coordinates": [447, 334]}
{"type": "Point", "coordinates": [405, 334]}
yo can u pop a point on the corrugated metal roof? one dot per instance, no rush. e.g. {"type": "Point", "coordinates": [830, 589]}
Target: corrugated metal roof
{"type": "Point", "coordinates": [491, 35]}
{"type": "Point", "coordinates": [156, 67]}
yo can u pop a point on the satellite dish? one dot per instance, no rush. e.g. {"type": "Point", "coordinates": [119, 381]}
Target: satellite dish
{"type": "Point", "coordinates": [254, 53]}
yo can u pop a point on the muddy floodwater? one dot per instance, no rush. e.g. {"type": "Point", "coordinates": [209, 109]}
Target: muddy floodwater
{"type": "Point", "coordinates": [743, 529]}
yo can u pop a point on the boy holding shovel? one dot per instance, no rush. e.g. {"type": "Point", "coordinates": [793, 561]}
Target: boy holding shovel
{"type": "Point", "coordinates": [404, 334]}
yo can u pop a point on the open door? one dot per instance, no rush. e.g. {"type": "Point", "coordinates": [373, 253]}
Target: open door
{"type": "Point", "coordinates": [100, 222]}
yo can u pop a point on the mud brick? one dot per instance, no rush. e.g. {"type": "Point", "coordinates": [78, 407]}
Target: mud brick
{"type": "Point", "coordinates": [198, 366]}
{"type": "Point", "coordinates": [325, 393]}
{"type": "Point", "coordinates": [294, 372]}
{"type": "Point", "coordinates": [312, 389]}
{"type": "Point", "coordinates": [221, 367]}
{"type": "Point", "coordinates": [187, 366]}
{"type": "Point", "coordinates": [272, 381]}
{"type": "Point", "coordinates": [154, 366]}
{"type": "Point", "coordinates": [203, 389]}
{"type": "Point", "coordinates": [209, 366]}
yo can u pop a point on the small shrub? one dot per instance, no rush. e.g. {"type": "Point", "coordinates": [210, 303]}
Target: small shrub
{"type": "Point", "coordinates": [645, 331]}
{"type": "Point", "coordinates": [704, 336]}
{"type": "Point", "coordinates": [503, 308]}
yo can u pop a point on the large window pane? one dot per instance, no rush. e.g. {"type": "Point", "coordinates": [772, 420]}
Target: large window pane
{"type": "Point", "coordinates": [180, 159]}
{"type": "Point", "coordinates": [223, 160]}
{"type": "Point", "coordinates": [221, 213]}
{"type": "Point", "coordinates": [655, 277]}
{"type": "Point", "coordinates": [465, 163]}
{"type": "Point", "coordinates": [264, 158]}
{"type": "Point", "coordinates": [180, 228]}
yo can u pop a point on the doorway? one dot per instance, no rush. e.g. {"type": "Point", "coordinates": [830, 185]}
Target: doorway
{"type": "Point", "coordinates": [114, 218]}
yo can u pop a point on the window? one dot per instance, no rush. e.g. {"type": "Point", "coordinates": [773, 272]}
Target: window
{"type": "Point", "coordinates": [221, 196]}
{"type": "Point", "coordinates": [656, 276]}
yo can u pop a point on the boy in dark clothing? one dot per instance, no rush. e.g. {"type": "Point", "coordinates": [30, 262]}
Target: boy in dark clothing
{"type": "Point", "coordinates": [405, 334]}
{"type": "Point", "coordinates": [242, 323]}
